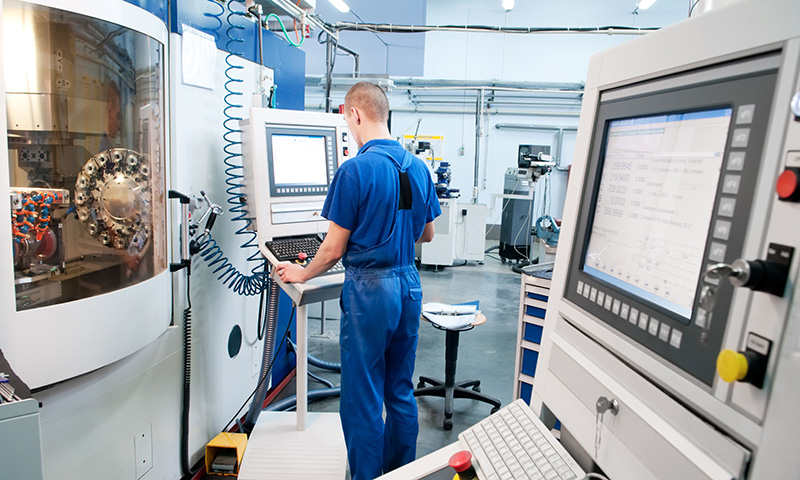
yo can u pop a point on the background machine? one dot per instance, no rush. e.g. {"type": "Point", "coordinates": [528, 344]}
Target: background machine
{"type": "Point", "coordinates": [461, 228]}
{"type": "Point", "coordinates": [519, 192]}
{"type": "Point", "coordinates": [674, 337]}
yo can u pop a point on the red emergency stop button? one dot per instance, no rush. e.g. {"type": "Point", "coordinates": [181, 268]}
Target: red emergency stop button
{"type": "Point", "coordinates": [788, 185]}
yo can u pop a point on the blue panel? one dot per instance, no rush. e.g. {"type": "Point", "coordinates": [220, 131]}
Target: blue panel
{"type": "Point", "coordinates": [156, 7]}
{"type": "Point", "coordinates": [284, 362]}
{"type": "Point", "coordinates": [289, 64]}
{"type": "Point", "coordinates": [212, 18]}
{"type": "Point", "coordinates": [533, 333]}
{"type": "Point", "coordinates": [525, 391]}
{"type": "Point", "coordinates": [535, 311]}
{"type": "Point", "coordinates": [529, 359]}
{"type": "Point", "coordinates": [536, 296]}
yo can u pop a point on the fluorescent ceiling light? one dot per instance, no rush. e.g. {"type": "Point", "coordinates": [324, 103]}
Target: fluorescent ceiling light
{"type": "Point", "coordinates": [645, 4]}
{"type": "Point", "coordinates": [341, 6]}
{"type": "Point", "coordinates": [508, 4]}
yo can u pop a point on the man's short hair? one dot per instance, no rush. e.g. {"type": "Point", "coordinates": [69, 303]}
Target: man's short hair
{"type": "Point", "coordinates": [370, 99]}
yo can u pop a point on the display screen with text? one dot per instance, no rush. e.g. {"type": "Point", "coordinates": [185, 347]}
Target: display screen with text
{"type": "Point", "coordinates": [654, 204]}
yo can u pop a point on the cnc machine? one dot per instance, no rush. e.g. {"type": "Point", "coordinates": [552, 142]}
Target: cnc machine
{"type": "Point", "coordinates": [671, 346]}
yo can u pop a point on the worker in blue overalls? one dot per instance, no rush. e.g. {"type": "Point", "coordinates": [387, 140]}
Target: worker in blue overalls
{"type": "Point", "coordinates": [379, 204]}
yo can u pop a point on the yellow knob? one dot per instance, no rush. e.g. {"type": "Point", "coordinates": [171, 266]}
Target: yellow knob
{"type": "Point", "coordinates": [732, 366]}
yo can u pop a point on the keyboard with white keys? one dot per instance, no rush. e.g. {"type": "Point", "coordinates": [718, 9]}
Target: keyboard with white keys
{"type": "Point", "coordinates": [514, 444]}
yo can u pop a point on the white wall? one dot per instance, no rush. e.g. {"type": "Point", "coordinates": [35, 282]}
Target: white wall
{"type": "Point", "coordinates": [511, 57]}
{"type": "Point", "coordinates": [389, 54]}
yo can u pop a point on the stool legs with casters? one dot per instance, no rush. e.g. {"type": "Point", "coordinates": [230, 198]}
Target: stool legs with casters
{"type": "Point", "coordinates": [449, 389]}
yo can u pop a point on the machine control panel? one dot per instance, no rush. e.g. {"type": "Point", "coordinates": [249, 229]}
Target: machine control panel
{"type": "Point", "coordinates": [667, 199]}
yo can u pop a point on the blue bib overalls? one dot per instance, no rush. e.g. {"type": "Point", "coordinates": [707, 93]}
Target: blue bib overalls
{"type": "Point", "coordinates": [381, 303]}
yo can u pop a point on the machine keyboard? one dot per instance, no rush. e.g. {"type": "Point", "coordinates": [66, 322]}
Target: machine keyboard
{"type": "Point", "coordinates": [514, 444]}
{"type": "Point", "coordinates": [289, 249]}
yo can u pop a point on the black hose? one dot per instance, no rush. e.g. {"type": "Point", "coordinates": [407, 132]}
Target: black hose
{"type": "Point", "coordinates": [334, 367]}
{"type": "Point", "coordinates": [321, 380]}
{"type": "Point", "coordinates": [187, 383]}
{"type": "Point", "coordinates": [271, 326]}
{"type": "Point", "coordinates": [314, 395]}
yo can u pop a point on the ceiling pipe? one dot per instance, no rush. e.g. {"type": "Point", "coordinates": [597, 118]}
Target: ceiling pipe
{"type": "Point", "coordinates": [392, 28]}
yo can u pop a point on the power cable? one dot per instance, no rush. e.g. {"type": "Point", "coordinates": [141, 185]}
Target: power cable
{"type": "Point", "coordinates": [264, 377]}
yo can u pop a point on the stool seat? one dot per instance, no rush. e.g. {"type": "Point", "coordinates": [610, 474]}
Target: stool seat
{"type": "Point", "coordinates": [449, 388]}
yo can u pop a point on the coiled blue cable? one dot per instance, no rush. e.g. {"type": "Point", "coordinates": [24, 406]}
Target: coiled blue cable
{"type": "Point", "coordinates": [215, 17]}
{"type": "Point", "coordinates": [210, 251]}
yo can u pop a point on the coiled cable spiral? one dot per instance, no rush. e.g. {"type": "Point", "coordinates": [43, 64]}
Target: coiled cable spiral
{"type": "Point", "coordinates": [236, 280]}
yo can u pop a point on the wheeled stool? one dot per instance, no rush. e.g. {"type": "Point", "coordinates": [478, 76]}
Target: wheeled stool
{"type": "Point", "coordinates": [449, 389]}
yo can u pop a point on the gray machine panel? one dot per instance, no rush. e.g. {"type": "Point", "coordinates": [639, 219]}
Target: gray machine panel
{"type": "Point", "coordinates": [690, 339]}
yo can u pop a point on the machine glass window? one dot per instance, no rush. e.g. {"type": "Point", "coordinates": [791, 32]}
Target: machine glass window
{"type": "Point", "coordinates": [86, 152]}
{"type": "Point", "coordinates": [654, 204]}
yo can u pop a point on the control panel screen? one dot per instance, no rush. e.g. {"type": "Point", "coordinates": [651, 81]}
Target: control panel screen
{"type": "Point", "coordinates": [654, 204]}
{"type": "Point", "coordinates": [299, 160]}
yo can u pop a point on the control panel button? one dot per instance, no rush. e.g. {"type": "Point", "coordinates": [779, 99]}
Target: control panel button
{"type": "Point", "coordinates": [675, 338]}
{"type": "Point", "coordinates": [727, 206]}
{"type": "Point", "coordinates": [741, 137]}
{"type": "Point", "coordinates": [600, 297]}
{"type": "Point", "coordinates": [736, 161]}
{"type": "Point", "coordinates": [644, 320]}
{"type": "Point", "coordinates": [732, 366]}
{"type": "Point", "coordinates": [653, 329]}
{"type": "Point", "coordinates": [788, 185]}
{"type": "Point", "coordinates": [722, 229]}
{"type": "Point", "coordinates": [796, 106]}
{"type": "Point", "coordinates": [663, 333]}
{"type": "Point", "coordinates": [749, 366]}
{"type": "Point", "coordinates": [731, 184]}
{"type": "Point", "coordinates": [744, 114]}
{"type": "Point", "coordinates": [701, 320]}
{"type": "Point", "coordinates": [717, 252]}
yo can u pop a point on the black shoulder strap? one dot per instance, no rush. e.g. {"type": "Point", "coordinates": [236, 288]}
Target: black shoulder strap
{"type": "Point", "coordinates": [405, 191]}
{"type": "Point", "coordinates": [404, 183]}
